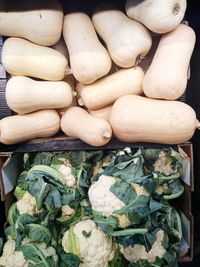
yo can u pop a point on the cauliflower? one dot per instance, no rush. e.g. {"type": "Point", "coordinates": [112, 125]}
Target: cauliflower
{"type": "Point", "coordinates": [101, 198]}
{"type": "Point", "coordinates": [106, 202]}
{"type": "Point", "coordinates": [140, 190]}
{"type": "Point", "coordinates": [138, 252]}
{"type": "Point", "coordinates": [27, 204]}
{"type": "Point", "coordinates": [67, 211]}
{"type": "Point", "coordinates": [70, 180]}
{"type": "Point", "coordinates": [12, 258]}
{"type": "Point", "coordinates": [162, 165]}
{"type": "Point", "coordinates": [47, 251]}
{"type": "Point", "coordinates": [123, 221]}
{"type": "Point", "coordinates": [89, 243]}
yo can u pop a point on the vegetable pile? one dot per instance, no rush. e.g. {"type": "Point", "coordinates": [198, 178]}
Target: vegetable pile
{"type": "Point", "coordinates": [110, 70]}
{"type": "Point", "coordinates": [95, 208]}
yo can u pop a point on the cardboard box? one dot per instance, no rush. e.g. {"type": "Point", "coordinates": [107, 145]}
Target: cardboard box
{"type": "Point", "coordinates": [11, 164]}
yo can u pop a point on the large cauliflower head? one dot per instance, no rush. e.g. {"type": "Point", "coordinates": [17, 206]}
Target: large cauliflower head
{"type": "Point", "coordinates": [106, 202]}
{"type": "Point", "coordinates": [89, 243]}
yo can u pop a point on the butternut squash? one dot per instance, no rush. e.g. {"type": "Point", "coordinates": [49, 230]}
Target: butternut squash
{"type": "Point", "coordinates": [158, 16]}
{"type": "Point", "coordinates": [69, 79]}
{"type": "Point", "coordinates": [20, 128]}
{"type": "Point", "coordinates": [77, 122]}
{"type": "Point", "coordinates": [38, 21]}
{"type": "Point", "coordinates": [103, 113]}
{"type": "Point", "coordinates": [24, 95]}
{"type": "Point", "coordinates": [146, 61]}
{"type": "Point", "coordinates": [139, 119]}
{"type": "Point", "coordinates": [61, 47]}
{"type": "Point", "coordinates": [166, 77]}
{"type": "Point", "coordinates": [106, 90]}
{"type": "Point", "coordinates": [127, 40]}
{"type": "Point", "coordinates": [89, 59]}
{"type": "Point", "coordinates": [24, 58]}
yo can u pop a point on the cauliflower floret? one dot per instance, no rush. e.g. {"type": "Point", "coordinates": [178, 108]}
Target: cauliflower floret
{"type": "Point", "coordinates": [159, 190]}
{"type": "Point", "coordinates": [95, 250]}
{"type": "Point", "coordinates": [12, 258]}
{"type": "Point", "coordinates": [164, 188]}
{"type": "Point", "coordinates": [98, 168]}
{"type": "Point", "coordinates": [27, 204]}
{"type": "Point", "coordinates": [67, 211]}
{"type": "Point", "coordinates": [140, 190]}
{"type": "Point", "coordinates": [101, 198]}
{"type": "Point", "coordinates": [70, 180]}
{"type": "Point", "coordinates": [138, 252]}
{"type": "Point", "coordinates": [162, 166]}
{"type": "Point", "coordinates": [47, 251]}
{"type": "Point", "coordinates": [122, 219]}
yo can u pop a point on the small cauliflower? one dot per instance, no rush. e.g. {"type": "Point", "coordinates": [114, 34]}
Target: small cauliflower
{"type": "Point", "coordinates": [12, 258]}
{"type": "Point", "coordinates": [138, 252]}
{"type": "Point", "coordinates": [27, 204]}
{"type": "Point", "coordinates": [70, 180]}
{"type": "Point", "coordinates": [140, 190]}
{"type": "Point", "coordinates": [67, 211]}
{"type": "Point", "coordinates": [163, 165]}
{"type": "Point", "coordinates": [47, 251]}
{"type": "Point", "coordinates": [89, 243]}
{"type": "Point", "coordinates": [101, 198]}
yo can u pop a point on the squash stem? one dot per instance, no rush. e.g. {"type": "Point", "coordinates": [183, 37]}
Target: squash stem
{"type": "Point", "coordinates": [80, 102]}
{"type": "Point", "coordinates": [197, 125]}
{"type": "Point", "coordinates": [106, 135]}
{"type": "Point", "coordinates": [68, 71]}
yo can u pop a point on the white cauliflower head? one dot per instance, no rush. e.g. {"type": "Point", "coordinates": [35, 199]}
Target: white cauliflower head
{"type": "Point", "coordinates": [27, 204]}
{"type": "Point", "coordinates": [101, 198]}
{"type": "Point", "coordinates": [12, 258]}
{"type": "Point", "coordinates": [89, 243]}
{"type": "Point", "coordinates": [138, 252]}
{"type": "Point", "coordinates": [70, 180]}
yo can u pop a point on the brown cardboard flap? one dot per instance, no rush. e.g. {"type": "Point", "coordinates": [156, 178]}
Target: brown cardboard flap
{"type": "Point", "coordinates": [9, 174]}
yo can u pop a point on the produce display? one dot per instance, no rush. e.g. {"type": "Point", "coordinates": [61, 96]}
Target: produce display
{"type": "Point", "coordinates": [96, 208]}
{"type": "Point", "coordinates": [92, 73]}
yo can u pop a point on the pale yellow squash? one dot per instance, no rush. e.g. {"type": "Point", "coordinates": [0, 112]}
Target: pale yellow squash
{"type": "Point", "coordinates": [167, 75]}
{"type": "Point", "coordinates": [70, 80]}
{"type": "Point", "coordinates": [159, 16]}
{"type": "Point", "coordinates": [38, 21]}
{"type": "Point", "coordinates": [106, 90]}
{"type": "Point", "coordinates": [24, 95]}
{"type": "Point", "coordinates": [127, 40]}
{"type": "Point", "coordinates": [24, 58]}
{"type": "Point", "coordinates": [77, 122]}
{"type": "Point", "coordinates": [20, 128]}
{"type": "Point", "coordinates": [140, 119]}
{"type": "Point", "coordinates": [89, 60]}
{"type": "Point", "coordinates": [103, 113]}
{"type": "Point", "coordinates": [61, 47]}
